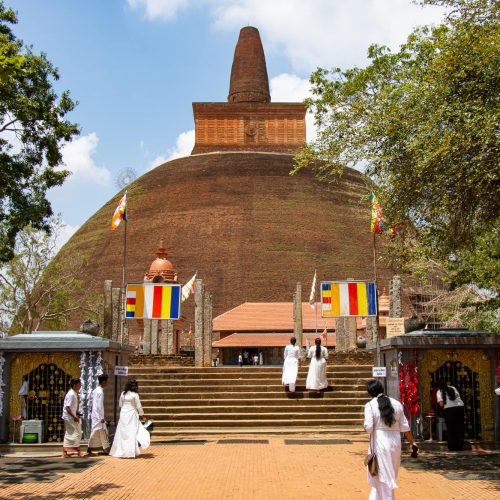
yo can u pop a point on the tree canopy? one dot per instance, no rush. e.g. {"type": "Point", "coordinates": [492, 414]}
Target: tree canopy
{"type": "Point", "coordinates": [32, 131]}
{"type": "Point", "coordinates": [423, 122]}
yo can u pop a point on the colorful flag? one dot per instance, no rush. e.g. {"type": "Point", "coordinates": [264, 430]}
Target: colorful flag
{"type": "Point", "coordinates": [120, 212]}
{"type": "Point", "coordinates": [378, 224]}
{"type": "Point", "coordinates": [312, 296]}
{"type": "Point", "coordinates": [348, 298]}
{"type": "Point", "coordinates": [188, 289]}
{"type": "Point", "coordinates": [153, 301]}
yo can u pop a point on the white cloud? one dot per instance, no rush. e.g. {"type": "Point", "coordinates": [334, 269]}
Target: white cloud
{"type": "Point", "coordinates": [165, 10]}
{"type": "Point", "coordinates": [183, 147]}
{"type": "Point", "coordinates": [309, 33]}
{"type": "Point", "coordinates": [78, 158]}
{"type": "Point", "coordinates": [292, 88]}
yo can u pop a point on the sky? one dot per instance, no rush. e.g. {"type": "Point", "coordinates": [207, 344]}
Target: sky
{"type": "Point", "coordinates": [135, 67]}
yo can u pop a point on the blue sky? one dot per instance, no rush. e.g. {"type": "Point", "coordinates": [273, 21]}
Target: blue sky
{"type": "Point", "coordinates": [135, 67]}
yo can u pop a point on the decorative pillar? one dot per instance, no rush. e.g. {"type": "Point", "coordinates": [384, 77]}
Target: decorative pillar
{"type": "Point", "coordinates": [116, 302]}
{"type": "Point", "coordinates": [170, 337]}
{"type": "Point", "coordinates": [371, 331]}
{"type": "Point", "coordinates": [207, 329]}
{"type": "Point", "coordinates": [146, 342]}
{"type": "Point", "coordinates": [198, 322]}
{"type": "Point", "coordinates": [154, 336]}
{"type": "Point", "coordinates": [108, 310]}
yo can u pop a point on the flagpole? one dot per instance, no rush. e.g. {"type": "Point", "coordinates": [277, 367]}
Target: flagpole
{"type": "Point", "coordinates": [316, 302]}
{"type": "Point", "coordinates": [124, 268]}
{"type": "Point", "coordinates": [377, 332]}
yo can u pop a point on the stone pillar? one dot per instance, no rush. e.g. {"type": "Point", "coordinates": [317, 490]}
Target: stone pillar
{"type": "Point", "coordinates": [297, 315]}
{"type": "Point", "coordinates": [108, 310]}
{"type": "Point", "coordinates": [198, 322]}
{"type": "Point", "coordinates": [154, 336]}
{"type": "Point", "coordinates": [146, 341]}
{"type": "Point", "coordinates": [207, 329]}
{"type": "Point", "coordinates": [116, 301]}
{"type": "Point", "coordinates": [351, 333]}
{"type": "Point", "coordinates": [395, 298]}
{"type": "Point", "coordinates": [170, 337]}
{"type": "Point", "coordinates": [340, 335]}
{"type": "Point", "coordinates": [371, 331]}
{"type": "Point", "coordinates": [163, 334]}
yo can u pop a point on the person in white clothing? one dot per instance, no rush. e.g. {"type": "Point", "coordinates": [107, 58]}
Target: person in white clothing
{"type": "Point", "coordinates": [291, 364]}
{"type": "Point", "coordinates": [23, 392]}
{"type": "Point", "coordinates": [129, 431]}
{"type": "Point", "coordinates": [316, 377]}
{"type": "Point", "coordinates": [385, 421]}
{"type": "Point", "coordinates": [98, 441]}
{"type": "Point", "coordinates": [72, 423]}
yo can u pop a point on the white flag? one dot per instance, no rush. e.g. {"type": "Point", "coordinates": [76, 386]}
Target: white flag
{"type": "Point", "coordinates": [188, 288]}
{"type": "Point", "coordinates": [312, 297]}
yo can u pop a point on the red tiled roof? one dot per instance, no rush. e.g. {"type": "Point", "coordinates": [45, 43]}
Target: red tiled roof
{"type": "Point", "coordinates": [266, 340]}
{"type": "Point", "coordinates": [272, 316]}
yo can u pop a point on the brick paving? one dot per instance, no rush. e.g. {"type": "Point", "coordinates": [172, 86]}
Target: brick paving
{"type": "Point", "coordinates": [244, 471]}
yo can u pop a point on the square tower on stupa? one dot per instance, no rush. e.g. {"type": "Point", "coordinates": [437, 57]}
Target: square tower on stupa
{"type": "Point", "coordinates": [248, 121]}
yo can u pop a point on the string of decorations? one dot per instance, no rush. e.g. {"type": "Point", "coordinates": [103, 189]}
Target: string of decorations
{"type": "Point", "coordinates": [2, 383]}
{"type": "Point", "coordinates": [408, 384]}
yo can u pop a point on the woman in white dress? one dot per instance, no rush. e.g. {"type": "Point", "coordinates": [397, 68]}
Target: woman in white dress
{"type": "Point", "coordinates": [130, 433]}
{"type": "Point", "coordinates": [385, 421]}
{"type": "Point", "coordinates": [291, 365]}
{"type": "Point", "coordinates": [316, 377]}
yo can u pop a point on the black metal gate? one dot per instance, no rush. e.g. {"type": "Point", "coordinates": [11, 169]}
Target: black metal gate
{"type": "Point", "coordinates": [467, 383]}
{"type": "Point", "coordinates": [47, 386]}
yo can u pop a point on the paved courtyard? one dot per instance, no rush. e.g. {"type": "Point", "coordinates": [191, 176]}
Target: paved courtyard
{"type": "Point", "coordinates": [267, 468]}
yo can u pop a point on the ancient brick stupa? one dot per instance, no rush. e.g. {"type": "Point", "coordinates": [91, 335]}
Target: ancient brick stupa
{"type": "Point", "coordinates": [231, 211]}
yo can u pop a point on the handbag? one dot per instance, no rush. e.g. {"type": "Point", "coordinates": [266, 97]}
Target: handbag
{"type": "Point", "coordinates": [371, 459]}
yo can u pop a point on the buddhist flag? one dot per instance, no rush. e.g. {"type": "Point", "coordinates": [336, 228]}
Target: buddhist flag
{"type": "Point", "coordinates": [312, 296]}
{"type": "Point", "coordinates": [323, 335]}
{"type": "Point", "coordinates": [120, 212]}
{"type": "Point", "coordinates": [153, 301]}
{"type": "Point", "coordinates": [188, 288]}
{"type": "Point", "coordinates": [378, 224]}
{"type": "Point", "coordinates": [348, 298]}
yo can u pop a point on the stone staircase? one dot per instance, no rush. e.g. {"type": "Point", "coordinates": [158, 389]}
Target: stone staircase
{"type": "Point", "coordinates": [186, 401]}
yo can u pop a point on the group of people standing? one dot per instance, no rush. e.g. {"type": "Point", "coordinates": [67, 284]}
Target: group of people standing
{"type": "Point", "coordinates": [316, 376]}
{"type": "Point", "coordinates": [245, 358]}
{"type": "Point", "coordinates": [130, 437]}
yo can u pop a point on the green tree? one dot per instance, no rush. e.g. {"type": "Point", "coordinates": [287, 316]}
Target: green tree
{"type": "Point", "coordinates": [36, 289]}
{"type": "Point", "coordinates": [423, 122]}
{"type": "Point", "coordinates": [32, 131]}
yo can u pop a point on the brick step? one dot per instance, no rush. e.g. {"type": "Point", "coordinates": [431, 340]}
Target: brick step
{"type": "Point", "coordinates": [253, 395]}
{"type": "Point", "coordinates": [242, 423]}
{"type": "Point", "coordinates": [164, 377]}
{"type": "Point", "coordinates": [164, 434]}
{"type": "Point", "coordinates": [261, 410]}
{"type": "Point", "coordinates": [239, 384]}
{"type": "Point", "coordinates": [191, 417]}
{"type": "Point", "coordinates": [292, 402]}
{"type": "Point", "coordinates": [224, 371]}
{"type": "Point", "coordinates": [209, 389]}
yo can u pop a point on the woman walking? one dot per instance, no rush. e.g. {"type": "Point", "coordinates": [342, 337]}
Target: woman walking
{"type": "Point", "coordinates": [449, 398]}
{"type": "Point", "coordinates": [384, 421]}
{"type": "Point", "coordinates": [129, 431]}
{"type": "Point", "coordinates": [72, 423]}
{"type": "Point", "coordinates": [316, 377]}
{"type": "Point", "coordinates": [291, 365]}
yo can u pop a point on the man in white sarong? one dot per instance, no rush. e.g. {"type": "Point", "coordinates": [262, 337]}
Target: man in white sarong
{"type": "Point", "coordinates": [72, 423]}
{"type": "Point", "coordinates": [99, 441]}
{"type": "Point", "coordinates": [23, 392]}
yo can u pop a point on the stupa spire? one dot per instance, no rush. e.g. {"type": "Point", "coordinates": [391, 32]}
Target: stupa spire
{"type": "Point", "coordinates": [249, 81]}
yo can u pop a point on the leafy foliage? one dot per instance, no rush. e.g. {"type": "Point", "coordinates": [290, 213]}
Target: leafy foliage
{"type": "Point", "coordinates": [35, 289]}
{"type": "Point", "coordinates": [32, 129]}
{"type": "Point", "coordinates": [423, 121]}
